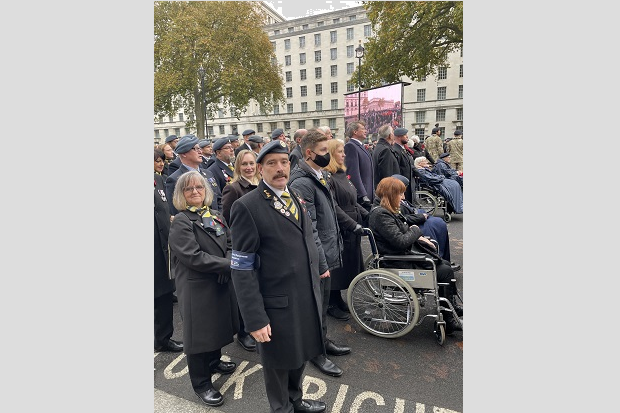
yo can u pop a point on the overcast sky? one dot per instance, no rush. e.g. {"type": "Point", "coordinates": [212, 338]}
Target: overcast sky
{"type": "Point", "coordinates": [293, 9]}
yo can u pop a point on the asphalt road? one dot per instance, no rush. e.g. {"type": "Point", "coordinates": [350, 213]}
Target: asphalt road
{"type": "Point", "coordinates": [412, 373]}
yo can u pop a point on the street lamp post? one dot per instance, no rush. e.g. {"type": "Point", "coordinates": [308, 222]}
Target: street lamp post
{"type": "Point", "coordinates": [359, 53]}
{"type": "Point", "coordinates": [201, 72]}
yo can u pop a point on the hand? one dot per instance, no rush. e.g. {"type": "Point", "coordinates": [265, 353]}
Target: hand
{"type": "Point", "coordinates": [359, 230]}
{"type": "Point", "coordinates": [427, 242]}
{"type": "Point", "coordinates": [263, 335]}
{"type": "Point", "coordinates": [223, 278]}
{"type": "Point", "coordinates": [365, 200]}
{"type": "Point", "coordinates": [325, 274]}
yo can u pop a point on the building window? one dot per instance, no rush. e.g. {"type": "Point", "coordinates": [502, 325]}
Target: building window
{"type": "Point", "coordinates": [440, 115]}
{"type": "Point", "coordinates": [351, 18]}
{"type": "Point", "coordinates": [350, 33]}
{"type": "Point", "coordinates": [442, 73]}
{"type": "Point", "coordinates": [317, 56]}
{"type": "Point", "coordinates": [317, 39]}
{"type": "Point", "coordinates": [421, 95]}
{"type": "Point", "coordinates": [210, 131]}
{"type": "Point", "coordinates": [350, 86]}
{"type": "Point", "coordinates": [287, 60]}
{"type": "Point", "coordinates": [304, 91]}
{"type": "Point", "coordinates": [367, 30]}
{"type": "Point", "coordinates": [333, 53]}
{"type": "Point", "coordinates": [320, 24]}
{"type": "Point", "coordinates": [441, 93]}
{"type": "Point", "coordinates": [459, 113]}
{"type": "Point", "coordinates": [318, 89]}
{"type": "Point", "coordinates": [350, 52]}
{"type": "Point", "coordinates": [302, 41]}
{"type": "Point", "coordinates": [291, 29]}
{"type": "Point", "coordinates": [318, 72]}
{"type": "Point", "coordinates": [304, 26]}
{"type": "Point", "coordinates": [170, 118]}
{"type": "Point", "coordinates": [259, 127]}
{"type": "Point", "coordinates": [287, 125]}
{"type": "Point", "coordinates": [332, 123]}
{"type": "Point", "coordinates": [460, 91]}
{"type": "Point", "coordinates": [274, 61]}
{"type": "Point", "coordinates": [177, 131]}
{"type": "Point", "coordinates": [273, 45]}
{"type": "Point", "coordinates": [334, 87]}
{"type": "Point", "coordinates": [180, 117]}
{"type": "Point", "coordinates": [289, 108]}
{"type": "Point", "coordinates": [304, 106]}
{"type": "Point", "coordinates": [333, 70]}
{"type": "Point", "coordinates": [333, 37]}
{"type": "Point", "coordinates": [336, 20]}
{"type": "Point", "coordinates": [420, 116]}
{"type": "Point", "coordinates": [461, 71]}
{"type": "Point", "coordinates": [334, 104]}
{"type": "Point", "coordinates": [420, 133]}
{"type": "Point", "coordinates": [273, 125]}
{"type": "Point", "coordinates": [276, 32]}
{"type": "Point", "coordinates": [287, 44]}
{"type": "Point", "coordinates": [289, 76]}
{"type": "Point", "coordinates": [157, 135]}
{"type": "Point", "coordinates": [220, 113]}
{"type": "Point", "coordinates": [221, 129]}
{"type": "Point", "coordinates": [276, 110]}
{"type": "Point", "coordinates": [350, 68]}
{"type": "Point", "coordinates": [318, 105]}
{"type": "Point", "coordinates": [301, 124]}
{"type": "Point", "coordinates": [316, 123]}
{"type": "Point", "coordinates": [289, 92]}
{"type": "Point", "coordinates": [302, 74]}
{"type": "Point", "coordinates": [302, 58]}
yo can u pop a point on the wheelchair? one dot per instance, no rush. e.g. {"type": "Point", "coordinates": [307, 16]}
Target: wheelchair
{"type": "Point", "coordinates": [390, 302]}
{"type": "Point", "coordinates": [430, 200]}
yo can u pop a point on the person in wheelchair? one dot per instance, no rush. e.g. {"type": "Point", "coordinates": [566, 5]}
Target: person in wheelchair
{"type": "Point", "coordinates": [448, 188]}
{"type": "Point", "coordinates": [394, 236]}
{"type": "Point", "coordinates": [443, 167]}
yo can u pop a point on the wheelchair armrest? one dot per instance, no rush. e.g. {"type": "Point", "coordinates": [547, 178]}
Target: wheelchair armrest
{"type": "Point", "coordinates": [408, 257]}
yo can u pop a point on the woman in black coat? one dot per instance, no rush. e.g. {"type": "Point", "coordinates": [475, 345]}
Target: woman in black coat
{"type": "Point", "coordinates": [200, 250]}
{"type": "Point", "coordinates": [245, 179]}
{"type": "Point", "coordinates": [351, 217]}
{"type": "Point", "coordinates": [395, 237]}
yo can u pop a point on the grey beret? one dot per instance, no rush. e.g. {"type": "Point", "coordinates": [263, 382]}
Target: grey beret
{"type": "Point", "coordinates": [218, 144]}
{"type": "Point", "coordinates": [256, 138]}
{"type": "Point", "coordinates": [276, 133]}
{"type": "Point", "coordinates": [247, 132]}
{"type": "Point", "coordinates": [171, 138]}
{"type": "Point", "coordinates": [401, 178]}
{"type": "Point", "coordinates": [204, 142]}
{"type": "Point", "coordinates": [275, 146]}
{"type": "Point", "coordinates": [458, 132]}
{"type": "Point", "coordinates": [444, 155]}
{"type": "Point", "coordinates": [400, 131]}
{"type": "Point", "coordinates": [186, 144]}
{"type": "Point", "coordinates": [435, 130]}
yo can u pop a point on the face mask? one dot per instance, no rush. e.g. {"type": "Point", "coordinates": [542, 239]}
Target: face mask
{"type": "Point", "coordinates": [321, 160]}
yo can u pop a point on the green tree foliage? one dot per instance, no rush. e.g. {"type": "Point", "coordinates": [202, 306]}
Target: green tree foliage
{"type": "Point", "coordinates": [227, 40]}
{"type": "Point", "coordinates": [412, 38]}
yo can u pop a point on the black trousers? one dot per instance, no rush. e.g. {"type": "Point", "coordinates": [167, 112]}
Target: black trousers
{"type": "Point", "coordinates": [163, 319]}
{"type": "Point", "coordinates": [241, 332]}
{"type": "Point", "coordinates": [200, 368]}
{"type": "Point", "coordinates": [283, 388]}
{"type": "Point", "coordinates": [326, 286]}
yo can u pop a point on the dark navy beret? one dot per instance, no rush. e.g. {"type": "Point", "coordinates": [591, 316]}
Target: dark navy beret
{"type": "Point", "coordinates": [400, 131]}
{"type": "Point", "coordinates": [171, 138]}
{"type": "Point", "coordinates": [247, 132]}
{"type": "Point", "coordinates": [186, 144]}
{"type": "Point", "coordinates": [401, 178]}
{"type": "Point", "coordinates": [444, 155]}
{"type": "Point", "coordinates": [218, 144]}
{"type": "Point", "coordinates": [276, 133]}
{"type": "Point", "coordinates": [204, 142]}
{"type": "Point", "coordinates": [435, 130]}
{"type": "Point", "coordinates": [458, 132]}
{"type": "Point", "coordinates": [275, 146]}
{"type": "Point", "coordinates": [256, 138]}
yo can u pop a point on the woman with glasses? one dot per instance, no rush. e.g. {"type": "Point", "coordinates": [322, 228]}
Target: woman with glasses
{"type": "Point", "coordinates": [200, 252]}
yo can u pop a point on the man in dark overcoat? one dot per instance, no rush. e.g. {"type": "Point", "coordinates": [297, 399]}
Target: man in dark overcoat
{"type": "Point", "coordinates": [359, 164]}
{"type": "Point", "coordinates": [405, 161]}
{"type": "Point", "coordinates": [223, 167]}
{"type": "Point", "coordinates": [276, 277]}
{"type": "Point", "coordinates": [384, 157]}
{"type": "Point", "coordinates": [163, 285]}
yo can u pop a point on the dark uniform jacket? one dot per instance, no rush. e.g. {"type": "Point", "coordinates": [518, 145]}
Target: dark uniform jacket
{"type": "Point", "coordinates": [276, 277]}
{"type": "Point", "coordinates": [241, 147]}
{"type": "Point", "coordinates": [359, 166]}
{"type": "Point", "coordinates": [174, 165]}
{"type": "Point", "coordinates": [171, 182]}
{"type": "Point", "coordinates": [208, 308]}
{"type": "Point", "coordinates": [385, 161]}
{"type": "Point", "coordinates": [322, 208]}
{"type": "Point", "coordinates": [162, 283]}
{"type": "Point", "coordinates": [233, 192]}
{"type": "Point", "coordinates": [442, 168]}
{"type": "Point", "coordinates": [295, 156]}
{"type": "Point", "coordinates": [405, 166]}
{"type": "Point", "coordinates": [222, 173]}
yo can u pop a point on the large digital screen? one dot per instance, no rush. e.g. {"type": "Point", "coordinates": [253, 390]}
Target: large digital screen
{"type": "Point", "coordinates": [376, 107]}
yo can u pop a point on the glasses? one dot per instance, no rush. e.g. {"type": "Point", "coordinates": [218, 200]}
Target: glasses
{"type": "Point", "coordinates": [197, 149]}
{"type": "Point", "coordinates": [190, 189]}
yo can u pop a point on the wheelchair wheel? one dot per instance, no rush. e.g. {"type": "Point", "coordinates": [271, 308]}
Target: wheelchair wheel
{"type": "Point", "coordinates": [447, 217]}
{"type": "Point", "coordinates": [368, 262]}
{"type": "Point", "coordinates": [383, 304]}
{"type": "Point", "coordinates": [440, 333]}
{"type": "Point", "coordinates": [427, 202]}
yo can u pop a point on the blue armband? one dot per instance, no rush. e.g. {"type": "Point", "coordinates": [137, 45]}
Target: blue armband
{"type": "Point", "coordinates": [242, 261]}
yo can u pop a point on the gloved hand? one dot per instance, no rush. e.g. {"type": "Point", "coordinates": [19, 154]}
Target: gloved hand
{"type": "Point", "coordinates": [365, 201]}
{"type": "Point", "coordinates": [223, 278]}
{"type": "Point", "coordinates": [359, 230]}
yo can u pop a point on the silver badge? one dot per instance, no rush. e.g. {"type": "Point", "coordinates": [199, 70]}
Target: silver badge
{"type": "Point", "coordinates": [287, 213]}
{"type": "Point", "coordinates": [278, 204]}
{"type": "Point", "coordinates": [282, 211]}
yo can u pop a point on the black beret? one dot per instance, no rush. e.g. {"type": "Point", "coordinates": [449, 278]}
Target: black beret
{"type": "Point", "coordinates": [218, 144]}
{"type": "Point", "coordinates": [247, 132]}
{"type": "Point", "coordinates": [444, 155]}
{"type": "Point", "coordinates": [276, 133]}
{"type": "Point", "coordinates": [186, 144]}
{"type": "Point", "coordinates": [401, 178]}
{"type": "Point", "coordinates": [458, 132]}
{"type": "Point", "coordinates": [204, 142]}
{"type": "Point", "coordinates": [256, 138]}
{"type": "Point", "coordinates": [171, 138]}
{"type": "Point", "coordinates": [275, 146]}
{"type": "Point", "coordinates": [435, 130]}
{"type": "Point", "coordinates": [400, 131]}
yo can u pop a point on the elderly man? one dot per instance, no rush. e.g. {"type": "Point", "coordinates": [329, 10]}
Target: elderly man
{"type": "Point", "coordinates": [172, 140]}
{"type": "Point", "coordinates": [278, 291]}
{"type": "Point", "coordinates": [295, 154]}
{"type": "Point", "coordinates": [384, 156]}
{"type": "Point", "coordinates": [223, 168]}
{"type": "Point", "coordinates": [326, 130]}
{"type": "Point", "coordinates": [279, 134]}
{"type": "Point", "coordinates": [207, 153]}
{"type": "Point", "coordinates": [359, 163]}
{"type": "Point", "coordinates": [246, 141]}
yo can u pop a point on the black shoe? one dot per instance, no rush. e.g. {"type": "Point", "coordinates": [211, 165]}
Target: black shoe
{"type": "Point", "coordinates": [452, 324]}
{"type": "Point", "coordinates": [211, 397]}
{"type": "Point", "coordinates": [343, 306]}
{"type": "Point", "coordinates": [334, 349]}
{"type": "Point", "coordinates": [172, 345]}
{"type": "Point", "coordinates": [247, 342]}
{"type": "Point", "coordinates": [174, 298]}
{"type": "Point", "coordinates": [455, 267]}
{"type": "Point", "coordinates": [311, 406]}
{"type": "Point", "coordinates": [225, 367]}
{"type": "Point", "coordinates": [457, 307]}
{"type": "Point", "coordinates": [337, 313]}
{"type": "Point", "coordinates": [326, 366]}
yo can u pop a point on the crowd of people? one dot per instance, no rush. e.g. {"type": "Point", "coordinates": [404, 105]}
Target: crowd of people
{"type": "Point", "coordinates": [224, 209]}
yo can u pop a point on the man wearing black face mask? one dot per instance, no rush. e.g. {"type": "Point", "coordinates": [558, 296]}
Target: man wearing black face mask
{"type": "Point", "coordinates": [311, 182]}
